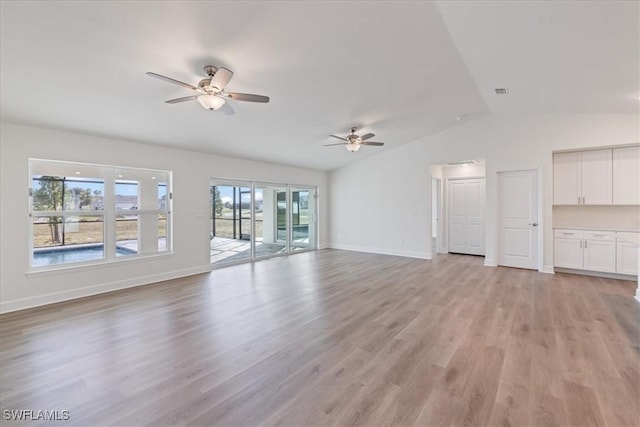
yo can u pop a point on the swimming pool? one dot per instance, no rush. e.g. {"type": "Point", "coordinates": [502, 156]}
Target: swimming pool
{"type": "Point", "coordinates": [67, 254]}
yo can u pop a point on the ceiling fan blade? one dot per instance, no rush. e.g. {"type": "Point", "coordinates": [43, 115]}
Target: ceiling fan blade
{"type": "Point", "coordinates": [246, 96]}
{"type": "Point", "coordinates": [367, 136]}
{"type": "Point", "coordinates": [177, 100]}
{"type": "Point", "coordinates": [227, 109]}
{"type": "Point", "coordinates": [170, 80]}
{"type": "Point", "coordinates": [376, 144]}
{"type": "Point", "coordinates": [339, 137]}
{"type": "Point", "coordinates": [337, 143]}
{"type": "Point", "coordinates": [221, 78]}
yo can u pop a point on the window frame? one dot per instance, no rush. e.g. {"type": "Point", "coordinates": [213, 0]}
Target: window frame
{"type": "Point", "coordinates": [109, 214]}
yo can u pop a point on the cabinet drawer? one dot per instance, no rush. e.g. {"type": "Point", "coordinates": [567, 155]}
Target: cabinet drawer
{"type": "Point", "coordinates": [600, 235]}
{"type": "Point", "coordinates": [628, 237]}
{"type": "Point", "coordinates": [569, 234]}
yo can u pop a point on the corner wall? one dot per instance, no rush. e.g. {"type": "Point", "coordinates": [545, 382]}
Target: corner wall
{"type": "Point", "coordinates": [383, 203]}
{"type": "Point", "coordinates": [191, 174]}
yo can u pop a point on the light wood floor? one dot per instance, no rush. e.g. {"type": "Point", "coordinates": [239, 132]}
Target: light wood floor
{"type": "Point", "coordinates": [335, 338]}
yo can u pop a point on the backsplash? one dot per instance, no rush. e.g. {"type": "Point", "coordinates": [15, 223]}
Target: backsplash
{"type": "Point", "coordinates": [620, 218]}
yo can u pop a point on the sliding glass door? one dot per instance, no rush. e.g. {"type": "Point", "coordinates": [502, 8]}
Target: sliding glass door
{"type": "Point", "coordinates": [270, 220]}
{"type": "Point", "coordinates": [230, 219]}
{"type": "Point", "coordinates": [302, 218]}
{"type": "Point", "coordinates": [250, 220]}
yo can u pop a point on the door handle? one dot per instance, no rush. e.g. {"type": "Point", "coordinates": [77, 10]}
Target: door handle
{"type": "Point", "coordinates": [535, 224]}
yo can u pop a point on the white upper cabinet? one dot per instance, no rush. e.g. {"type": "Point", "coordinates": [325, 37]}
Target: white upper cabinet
{"type": "Point", "coordinates": [566, 179]}
{"type": "Point", "coordinates": [583, 178]}
{"type": "Point", "coordinates": [626, 176]}
{"type": "Point", "coordinates": [597, 177]}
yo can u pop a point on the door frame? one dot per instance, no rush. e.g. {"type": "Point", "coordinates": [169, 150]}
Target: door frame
{"type": "Point", "coordinates": [439, 212]}
{"type": "Point", "coordinates": [540, 214]}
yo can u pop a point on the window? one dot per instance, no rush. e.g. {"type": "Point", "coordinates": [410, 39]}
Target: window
{"type": "Point", "coordinates": [83, 213]}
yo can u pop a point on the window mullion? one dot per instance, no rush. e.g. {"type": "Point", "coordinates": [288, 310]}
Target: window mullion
{"type": "Point", "coordinates": [110, 214]}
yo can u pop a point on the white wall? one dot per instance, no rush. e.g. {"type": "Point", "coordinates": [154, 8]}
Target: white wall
{"type": "Point", "coordinates": [191, 174]}
{"type": "Point", "coordinates": [367, 217]}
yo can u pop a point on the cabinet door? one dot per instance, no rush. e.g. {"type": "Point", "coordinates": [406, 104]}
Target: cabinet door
{"type": "Point", "coordinates": [626, 176]}
{"type": "Point", "coordinates": [566, 179]}
{"type": "Point", "coordinates": [567, 253]}
{"type": "Point", "coordinates": [600, 255]}
{"type": "Point", "coordinates": [627, 259]}
{"type": "Point", "coordinates": [597, 177]}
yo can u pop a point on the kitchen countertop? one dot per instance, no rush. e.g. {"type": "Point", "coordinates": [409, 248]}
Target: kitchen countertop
{"type": "Point", "coordinates": [598, 229]}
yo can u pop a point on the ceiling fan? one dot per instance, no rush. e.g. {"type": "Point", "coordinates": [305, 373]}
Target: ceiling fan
{"type": "Point", "coordinates": [353, 142]}
{"type": "Point", "coordinates": [210, 91]}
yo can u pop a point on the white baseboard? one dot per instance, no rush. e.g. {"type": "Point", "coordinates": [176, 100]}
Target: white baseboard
{"type": "Point", "coordinates": [596, 274]}
{"type": "Point", "coordinates": [381, 251]}
{"type": "Point", "coordinates": [547, 269]}
{"type": "Point", "coordinates": [39, 300]}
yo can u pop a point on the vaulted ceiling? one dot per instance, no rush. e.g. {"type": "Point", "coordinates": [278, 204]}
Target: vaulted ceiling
{"type": "Point", "coordinates": [402, 70]}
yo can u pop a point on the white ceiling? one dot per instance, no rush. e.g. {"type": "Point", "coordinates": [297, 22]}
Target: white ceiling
{"type": "Point", "coordinates": [401, 70]}
{"type": "Point", "coordinates": [553, 56]}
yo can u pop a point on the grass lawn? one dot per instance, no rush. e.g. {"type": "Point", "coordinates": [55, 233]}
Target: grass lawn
{"type": "Point", "coordinates": [89, 230]}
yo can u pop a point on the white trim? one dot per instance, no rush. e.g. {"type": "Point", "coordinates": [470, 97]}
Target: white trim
{"type": "Point", "coordinates": [54, 297]}
{"type": "Point", "coordinates": [382, 251]}
{"type": "Point", "coordinates": [489, 262]}
{"type": "Point", "coordinates": [548, 269]}
{"type": "Point", "coordinates": [95, 264]}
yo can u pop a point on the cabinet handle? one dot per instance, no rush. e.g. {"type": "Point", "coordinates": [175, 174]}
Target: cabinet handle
{"type": "Point", "coordinates": [583, 202]}
{"type": "Point", "coordinates": [578, 199]}
{"type": "Point", "coordinates": [585, 244]}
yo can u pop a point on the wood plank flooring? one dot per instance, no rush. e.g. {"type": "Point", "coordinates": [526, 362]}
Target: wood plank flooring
{"type": "Point", "coordinates": [334, 338]}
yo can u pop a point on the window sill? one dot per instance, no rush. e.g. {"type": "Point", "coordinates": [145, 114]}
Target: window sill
{"type": "Point", "coordinates": [94, 265]}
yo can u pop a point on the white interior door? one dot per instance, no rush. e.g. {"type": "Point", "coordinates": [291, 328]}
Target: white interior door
{"type": "Point", "coordinates": [457, 217]}
{"type": "Point", "coordinates": [466, 216]}
{"type": "Point", "coordinates": [474, 194]}
{"type": "Point", "coordinates": [518, 219]}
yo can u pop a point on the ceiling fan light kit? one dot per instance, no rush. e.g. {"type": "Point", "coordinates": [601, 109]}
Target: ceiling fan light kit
{"type": "Point", "coordinates": [210, 91]}
{"type": "Point", "coordinates": [211, 102]}
{"type": "Point", "coordinates": [353, 142]}
{"type": "Point", "coordinates": [352, 146]}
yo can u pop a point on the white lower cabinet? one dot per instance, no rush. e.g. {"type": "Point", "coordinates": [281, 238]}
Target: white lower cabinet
{"type": "Point", "coordinates": [568, 253]}
{"type": "Point", "coordinates": [600, 255]}
{"type": "Point", "coordinates": [627, 253]}
{"type": "Point", "coordinates": [585, 250]}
